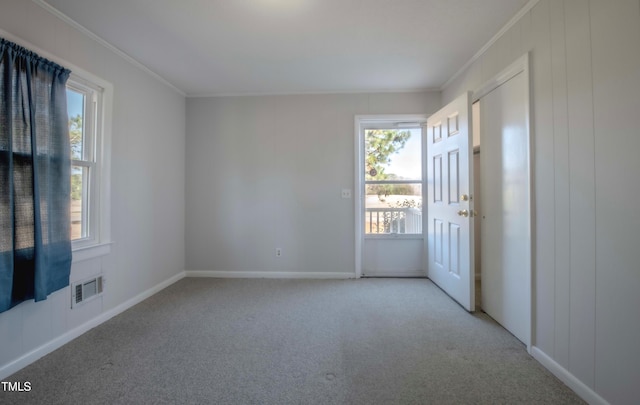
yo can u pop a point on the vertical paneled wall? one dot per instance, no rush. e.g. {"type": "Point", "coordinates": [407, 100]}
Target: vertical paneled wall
{"type": "Point", "coordinates": [585, 69]}
{"type": "Point", "coordinates": [615, 52]}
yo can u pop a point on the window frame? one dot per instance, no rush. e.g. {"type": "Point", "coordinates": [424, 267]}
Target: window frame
{"type": "Point", "coordinates": [388, 122]}
{"type": "Point", "coordinates": [90, 138]}
{"type": "Point", "coordinates": [96, 158]}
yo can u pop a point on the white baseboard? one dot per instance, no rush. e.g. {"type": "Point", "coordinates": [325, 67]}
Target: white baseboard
{"type": "Point", "coordinates": [61, 340]}
{"type": "Point", "coordinates": [396, 274]}
{"type": "Point", "coordinates": [269, 274]}
{"type": "Point", "coordinates": [580, 388]}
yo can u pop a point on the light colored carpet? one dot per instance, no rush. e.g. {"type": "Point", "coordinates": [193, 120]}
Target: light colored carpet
{"type": "Point", "coordinates": [368, 341]}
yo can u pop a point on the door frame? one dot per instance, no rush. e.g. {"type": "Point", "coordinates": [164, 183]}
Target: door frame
{"type": "Point", "coordinates": [520, 65]}
{"type": "Point", "coordinates": [360, 121]}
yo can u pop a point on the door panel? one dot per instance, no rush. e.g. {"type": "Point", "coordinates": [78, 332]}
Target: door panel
{"type": "Point", "coordinates": [393, 258]}
{"type": "Point", "coordinates": [454, 177]}
{"type": "Point", "coordinates": [437, 179]}
{"type": "Point", "coordinates": [506, 216]}
{"type": "Point", "coordinates": [450, 219]}
{"type": "Point", "coordinates": [454, 250]}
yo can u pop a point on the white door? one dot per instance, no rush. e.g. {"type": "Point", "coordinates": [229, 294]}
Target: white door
{"type": "Point", "coordinates": [506, 201]}
{"type": "Point", "coordinates": [450, 201]}
{"type": "Point", "coordinates": [390, 194]}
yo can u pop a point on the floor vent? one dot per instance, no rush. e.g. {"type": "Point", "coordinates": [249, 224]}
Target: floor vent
{"type": "Point", "coordinates": [86, 290]}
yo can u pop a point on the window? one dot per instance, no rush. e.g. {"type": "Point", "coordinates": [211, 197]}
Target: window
{"type": "Point", "coordinates": [393, 179]}
{"type": "Point", "coordinates": [84, 106]}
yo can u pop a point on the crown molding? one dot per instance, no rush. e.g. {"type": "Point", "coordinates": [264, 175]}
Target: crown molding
{"type": "Point", "coordinates": [314, 93]}
{"type": "Point", "coordinates": [524, 10]}
{"type": "Point", "coordinates": [68, 20]}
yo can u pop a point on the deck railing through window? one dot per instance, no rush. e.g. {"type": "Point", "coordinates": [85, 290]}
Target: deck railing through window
{"type": "Point", "coordinates": [393, 221]}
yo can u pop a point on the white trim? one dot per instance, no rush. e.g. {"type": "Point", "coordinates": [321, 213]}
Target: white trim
{"type": "Point", "coordinates": [77, 71]}
{"type": "Point", "coordinates": [386, 118]}
{"type": "Point", "coordinates": [92, 118]}
{"type": "Point", "coordinates": [394, 236]}
{"type": "Point", "coordinates": [361, 121]}
{"type": "Point", "coordinates": [396, 274]}
{"type": "Point", "coordinates": [314, 93]}
{"type": "Point", "coordinates": [518, 66]}
{"type": "Point", "coordinates": [358, 201]}
{"type": "Point", "coordinates": [524, 10]}
{"type": "Point", "coordinates": [57, 13]}
{"type": "Point", "coordinates": [91, 252]}
{"type": "Point", "coordinates": [580, 388]}
{"type": "Point", "coordinates": [269, 274]}
{"type": "Point", "coordinates": [58, 342]}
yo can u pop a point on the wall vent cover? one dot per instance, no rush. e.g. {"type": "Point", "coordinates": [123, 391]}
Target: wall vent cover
{"type": "Point", "coordinates": [86, 290]}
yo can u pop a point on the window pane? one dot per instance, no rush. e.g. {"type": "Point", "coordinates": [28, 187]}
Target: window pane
{"type": "Point", "coordinates": [393, 154]}
{"type": "Point", "coordinates": [79, 202]}
{"type": "Point", "coordinates": [393, 208]}
{"type": "Point", "coordinates": [75, 109]}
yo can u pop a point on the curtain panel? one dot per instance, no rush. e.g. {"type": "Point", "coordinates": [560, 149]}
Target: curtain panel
{"type": "Point", "coordinates": [35, 166]}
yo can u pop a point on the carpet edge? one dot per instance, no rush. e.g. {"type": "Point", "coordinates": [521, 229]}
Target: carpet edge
{"type": "Point", "coordinates": [269, 274]}
{"type": "Point", "coordinates": [41, 351]}
{"type": "Point", "coordinates": [585, 392]}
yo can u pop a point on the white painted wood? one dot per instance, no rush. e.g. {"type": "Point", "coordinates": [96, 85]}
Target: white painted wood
{"type": "Point", "coordinates": [506, 201]}
{"type": "Point", "coordinates": [584, 391]}
{"type": "Point", "coordinates": [582, 192]}
{"type": "Point", "coordinates": [543, 172]}
{"type": "Point", "coordinates": [475, 113]}
{"type": "Point", "coordinates": [615, 35]}
{"type": "Point", "coordinates": [559, 330]}
{"type": "Point", "coordinates": [91, 252]}
{"type": "Point", "coordinates": [449, 169]}
{"type": "Point", "coordinates": [601, 310]}
{"type": "Point", "coordinates": [480, 54]}
{"type": "Point", "coordinates": [385, 257]}
{"type": "Point", "coordinates": [512, 70]}
{"type": "Point", "coordinates": [498, 56]}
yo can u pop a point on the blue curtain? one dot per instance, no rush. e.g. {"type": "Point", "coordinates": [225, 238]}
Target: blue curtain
{"type": "Point", "coordinates": [35, 165]}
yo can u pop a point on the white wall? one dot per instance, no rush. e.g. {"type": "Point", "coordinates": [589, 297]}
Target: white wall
{"type": "Point", "coordinates": [147, 185]}
{"type": "Point", "coordinates": [585, 87]}
{"type": "Point", "coordinates": [266, 172]}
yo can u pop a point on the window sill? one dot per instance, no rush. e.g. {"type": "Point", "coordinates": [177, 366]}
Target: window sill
{"type": "Point", "coordinates": [83, 253]}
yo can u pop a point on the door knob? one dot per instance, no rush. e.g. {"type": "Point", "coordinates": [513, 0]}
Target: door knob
{"type": "Point", "coordinates": [463, 213]}
{"type": "Point", "coordinates": [464, 197]}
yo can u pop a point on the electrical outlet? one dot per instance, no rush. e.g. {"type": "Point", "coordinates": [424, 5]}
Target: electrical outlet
{"type": "Point", "coordinates": [278, 252]}
{"type": "Point", "coordinates": [346, 193]}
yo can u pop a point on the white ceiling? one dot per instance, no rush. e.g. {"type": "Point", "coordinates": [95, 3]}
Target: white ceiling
{"type": "Point", "coordinates": [222, 47]}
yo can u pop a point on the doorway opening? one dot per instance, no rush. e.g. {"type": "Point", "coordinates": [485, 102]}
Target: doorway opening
{"type": "Point", "coordinates": [389, 195]}
{"type": "Point", "coordinates": [477, 191]}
